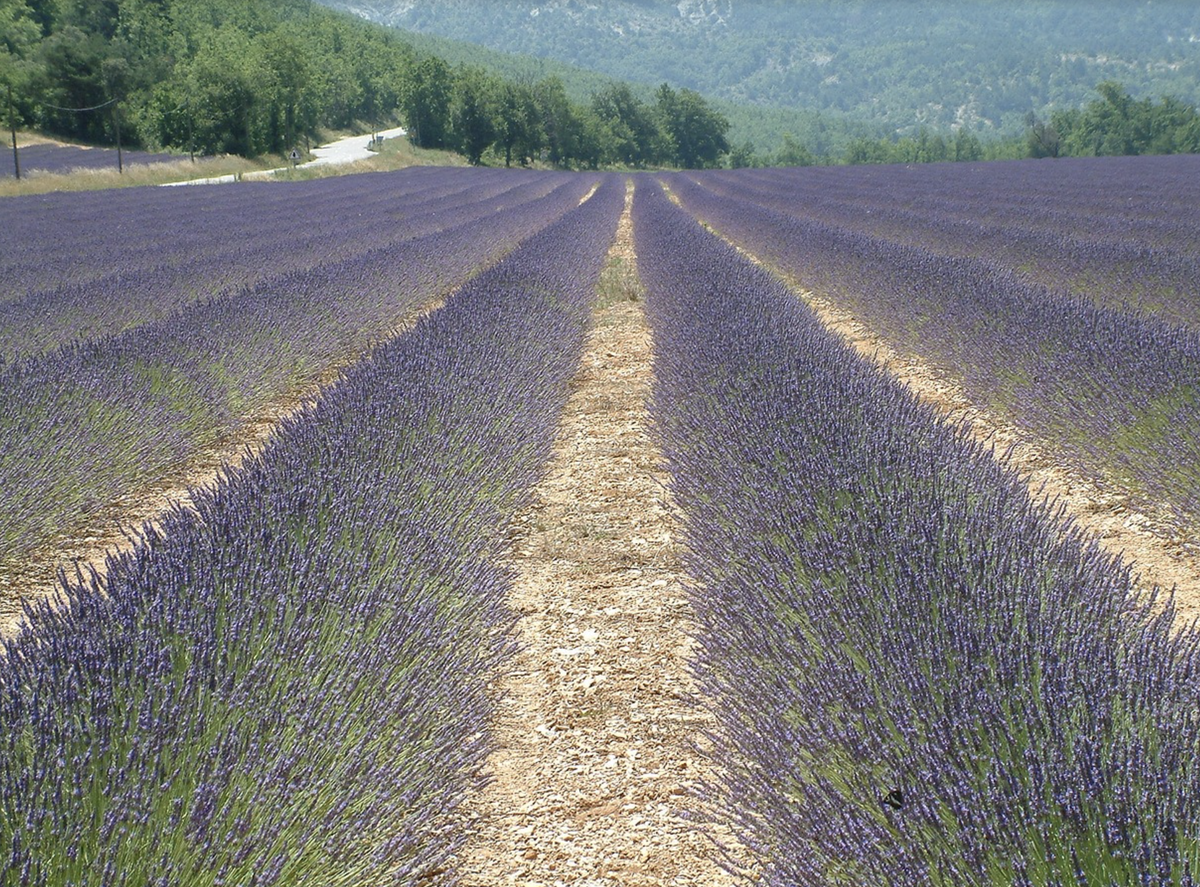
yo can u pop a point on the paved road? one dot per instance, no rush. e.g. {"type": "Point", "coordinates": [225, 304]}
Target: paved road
{"type": "Point", "coordinates": [346, 150]}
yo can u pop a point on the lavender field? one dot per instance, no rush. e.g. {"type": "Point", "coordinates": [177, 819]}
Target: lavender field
{"type": "Point", "coordinates": [922, 678]}
{"type": "Point", "coordinates": [288, 685]}
{"type": "Point", "coordinates": [134, 372]}
{"type": "Point", "coordinates": [63, 159]}
{"type": "Point", "coordinates": [1123, 232]}
{"type": "Point", "coordinates": [921, 673]}
{"type": "Point", "coordinates": [1082, 327]}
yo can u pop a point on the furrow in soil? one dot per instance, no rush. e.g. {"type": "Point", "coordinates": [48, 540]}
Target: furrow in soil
{"type": "Point", "coordinates": [597, 763]}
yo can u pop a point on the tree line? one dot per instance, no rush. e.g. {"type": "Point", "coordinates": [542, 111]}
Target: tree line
{"type": "Point", "coordinates": [1114, 124]}
{"type": "Point", "coordinates": [253, 77]}
{"type": "Point", "coordinates": [468, 110]}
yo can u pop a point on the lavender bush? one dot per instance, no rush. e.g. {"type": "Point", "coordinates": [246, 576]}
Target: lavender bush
{"type": "Point", "coordinates": [1118, 393]}
{"type": "Point", "coordinates": [288, 685]}
{"type": "Point", "coordinates": [87, 423]}
{"type": "Point", "coordinates": [922, 677]}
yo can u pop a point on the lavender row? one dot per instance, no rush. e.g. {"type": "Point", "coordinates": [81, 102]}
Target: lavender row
{"type": "Point", "coordinates": [60, 159]}
{"type": "Point", "coordinates": [84, 425]}
{"type": "Point", "coordinates": [1123, 232]}
{"type": "Point", "coordinates": [120, 294]}
{"type": "Point", "coordinates": [921, 676]}
{"type": "Point", "coordinates": [1117, 393]}
{"type": "Point", "coordinates": [289, 685]}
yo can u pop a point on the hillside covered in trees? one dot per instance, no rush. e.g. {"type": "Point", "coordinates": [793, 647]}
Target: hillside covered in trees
{"type": "Point", "coordinates": [254, 77]}
{"type": "Point", "coordinates": [825, 133]}
{"type": "Point", "coordinates": [260, 76]}
{"type": "Point", "coordinates": [895, 64]}
{"type": "Point", "coordinates": [237, 76]}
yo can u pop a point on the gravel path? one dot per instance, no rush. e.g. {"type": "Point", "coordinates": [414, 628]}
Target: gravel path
{"type": "Point", "coordinates": [596, 759]}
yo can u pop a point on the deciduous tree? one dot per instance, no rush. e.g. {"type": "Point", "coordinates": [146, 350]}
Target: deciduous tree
{"type": "Point", "coordinates": [425, 102]}
{"type": "Point", "coordinates": [473, 113]}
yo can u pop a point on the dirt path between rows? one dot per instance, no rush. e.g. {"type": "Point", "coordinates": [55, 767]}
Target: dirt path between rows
{"type": "Point", "coordinates": [116, 526]}
{"type": "Point", "coordinates": [1157, 558]}
{"type": "Point", "coordinates": [596, 760]}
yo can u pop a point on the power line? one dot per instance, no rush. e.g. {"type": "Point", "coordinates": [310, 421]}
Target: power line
{"type": "Point", "coordinates": [93, 108]}
{"type": "Point", "coordinates": [115, 122]}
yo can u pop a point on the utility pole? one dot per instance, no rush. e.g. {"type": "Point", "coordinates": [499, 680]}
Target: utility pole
{"type": "Point", "coordinates": [116, 122]}
{"type": "Point", "coordinates": [114, 74]}
{"type": "Point", "coordinates": [12, 122]}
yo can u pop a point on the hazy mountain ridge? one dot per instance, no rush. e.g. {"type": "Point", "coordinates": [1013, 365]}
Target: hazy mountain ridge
{"type": "Point", "coordinates": [900, 64]}
{"type": "Point", "coordinates": [624, 13]}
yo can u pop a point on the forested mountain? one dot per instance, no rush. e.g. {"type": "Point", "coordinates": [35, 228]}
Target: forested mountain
{"type": "Point", "coordinates": [769, 127]}
{"type": "Point", "coordinates": [900, 64]}
{"type": "Point", "coordinates": [259, 76]}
